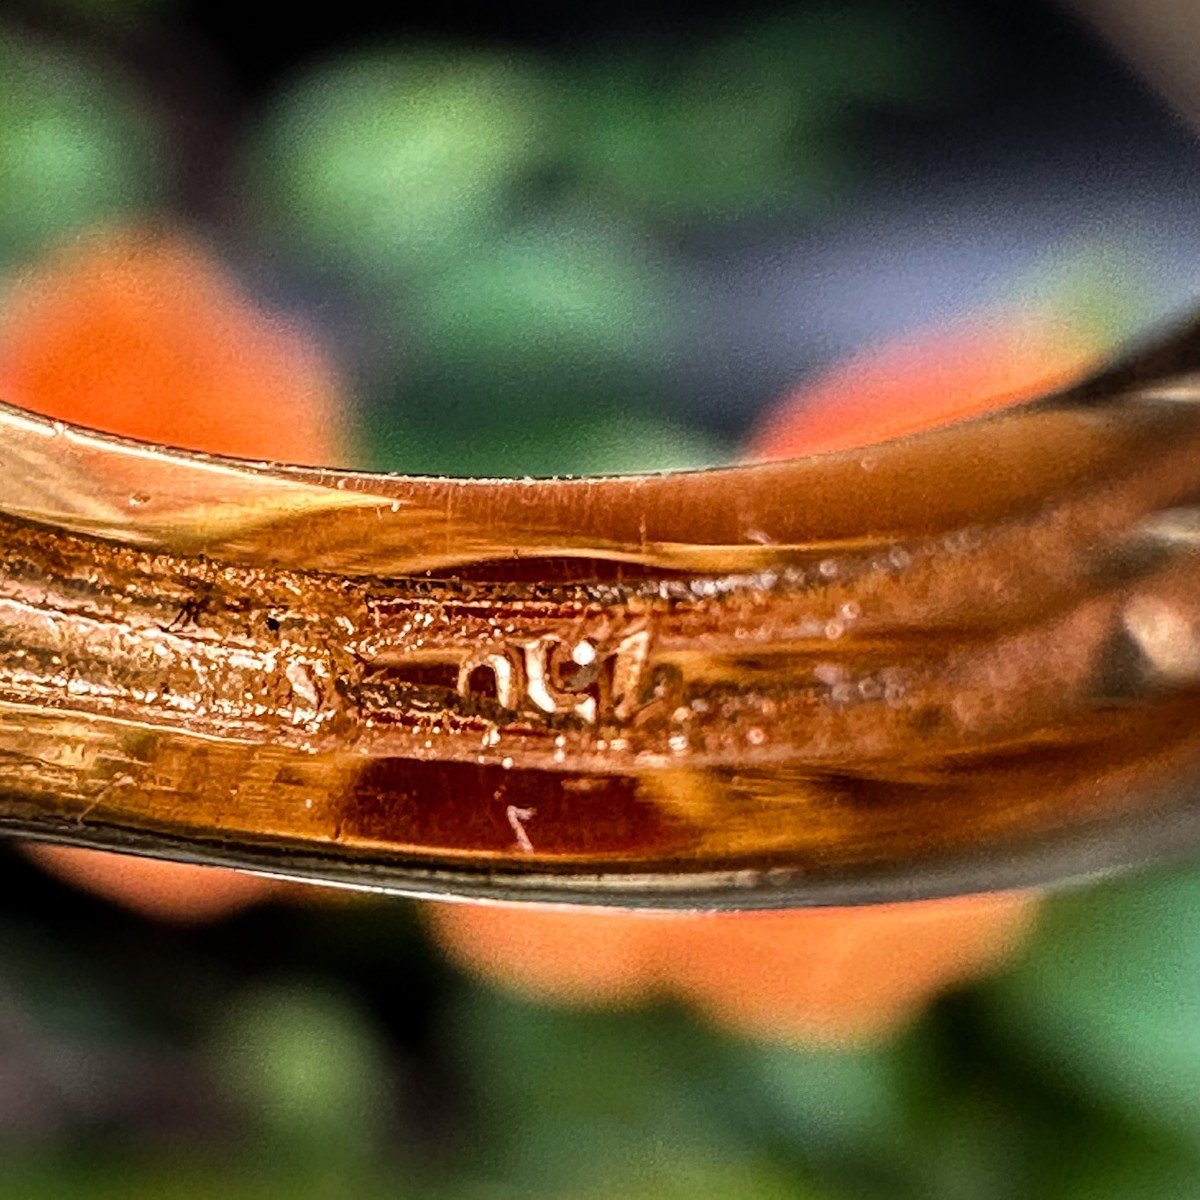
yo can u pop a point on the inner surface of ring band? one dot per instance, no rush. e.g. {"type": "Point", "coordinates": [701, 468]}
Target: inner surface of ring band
{"type": "Point", "coordinates": [960, 660]}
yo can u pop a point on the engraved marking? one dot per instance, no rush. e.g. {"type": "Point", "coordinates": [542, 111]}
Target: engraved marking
{"type": "Point", "coordinates": [546, 673]}
{"type": "Point", "coordinates": [540, 688]}
{"type": "Point", "coordinates": [116, 784]}
{"type": "Point", "coordinates": [629, 664]}
{"type": "Point", "coordinates": [507, 675]}
{"type": "Point", "coordinates": [517, 818]}
{"type": "Point", "coordinates": [189, 613]}
{"type": "Point", "coordinates": [302, 684]}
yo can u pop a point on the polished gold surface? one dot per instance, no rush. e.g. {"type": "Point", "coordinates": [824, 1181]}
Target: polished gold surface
{"type": "Point", "coordinates": [968, 659]}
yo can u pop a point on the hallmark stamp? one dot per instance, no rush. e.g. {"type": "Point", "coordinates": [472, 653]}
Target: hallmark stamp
{"type": "Point", "coordinates": [584, 677]}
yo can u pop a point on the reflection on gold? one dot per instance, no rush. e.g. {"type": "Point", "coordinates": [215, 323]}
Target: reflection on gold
{"type": "Point", "coordinates": [802, 672]}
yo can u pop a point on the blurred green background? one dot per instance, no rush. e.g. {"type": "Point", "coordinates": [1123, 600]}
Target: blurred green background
{"type": "Point", "coordinates": [544, 241]}
{"type": "Point", "coordinates": [624, 235]}
{"type": "Point", "coordinates": [326, 1050]}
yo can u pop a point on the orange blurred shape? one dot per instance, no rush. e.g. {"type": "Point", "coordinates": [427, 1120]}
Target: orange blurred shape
{"type": "Point", "coordinates": [830, 975]}
{"type": "Point", "coordinates": [835, 975]}
{"type": "Point", "coordinates": [145, 333]}
{"type": "Point", "coordinates": [170, 891]}
{"type": "Point", "coordinates": [927, 379]}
